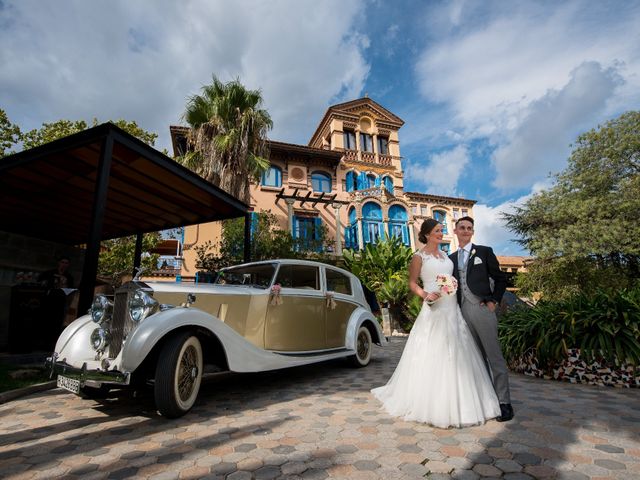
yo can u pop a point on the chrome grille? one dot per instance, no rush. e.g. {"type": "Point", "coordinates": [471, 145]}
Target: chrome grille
{"type": "Point", "coordinates": [119, 323]}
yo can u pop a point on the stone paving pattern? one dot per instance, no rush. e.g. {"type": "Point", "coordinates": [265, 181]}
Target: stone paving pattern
{"type": "Point", "coordinates": [320, 422]}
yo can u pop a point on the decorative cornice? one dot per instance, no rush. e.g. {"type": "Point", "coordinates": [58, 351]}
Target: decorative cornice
{"type": "Point", "coordinates": [426, 197]}
{"type": "Point", "coordinates": [350, 111]}
{"type": "Point", "coordinates": [295, 151]}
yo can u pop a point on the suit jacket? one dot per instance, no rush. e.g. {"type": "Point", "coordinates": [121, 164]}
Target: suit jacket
{"type": "Point", "coordinates": [478, 274]}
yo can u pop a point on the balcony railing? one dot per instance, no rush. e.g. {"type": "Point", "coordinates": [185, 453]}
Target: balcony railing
{"type": "Point", "coordinates": [369, 157]}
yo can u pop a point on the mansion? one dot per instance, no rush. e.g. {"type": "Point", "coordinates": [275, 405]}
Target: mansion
{"type": "Point", "coordinates": [348, 179]}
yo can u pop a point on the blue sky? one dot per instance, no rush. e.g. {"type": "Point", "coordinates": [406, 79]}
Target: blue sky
{"type": "Point", "coordinates": [492, 93]}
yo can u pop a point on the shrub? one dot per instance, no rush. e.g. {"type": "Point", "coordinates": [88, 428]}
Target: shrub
{"type": "Point", "coordinates": [603, 325]}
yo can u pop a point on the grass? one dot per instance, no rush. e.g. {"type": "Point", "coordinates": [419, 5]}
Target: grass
{"type": "Point", "coordinates": [7, 382]}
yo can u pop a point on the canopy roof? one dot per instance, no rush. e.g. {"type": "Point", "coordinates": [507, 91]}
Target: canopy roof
{"type": "Point", "coordinates": [103, 183]}
{"type": "Point", "coordinates": [48, 192]}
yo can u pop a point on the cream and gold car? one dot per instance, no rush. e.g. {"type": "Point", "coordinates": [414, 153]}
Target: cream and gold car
{"type": "Point", "coordinates": [256, 317]}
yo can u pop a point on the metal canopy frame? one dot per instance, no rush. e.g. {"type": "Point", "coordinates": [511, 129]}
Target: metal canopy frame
{"type": "Point", "coordinates": [104, 183]}
{"type": "Point", "coordinates": [307, 198]}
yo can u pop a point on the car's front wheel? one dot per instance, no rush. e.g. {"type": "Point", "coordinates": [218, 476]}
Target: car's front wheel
{"type": "Point", "coordinates": [363, 348]}
{"type": "Point", "coordinates": [178, 375]}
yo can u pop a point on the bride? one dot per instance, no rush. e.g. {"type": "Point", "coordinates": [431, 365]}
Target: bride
{"type": "Point", "coordinates": [441, 378]}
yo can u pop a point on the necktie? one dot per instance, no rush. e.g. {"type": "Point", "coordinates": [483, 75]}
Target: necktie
{"type": "Point", "coordinates": [462, 257]}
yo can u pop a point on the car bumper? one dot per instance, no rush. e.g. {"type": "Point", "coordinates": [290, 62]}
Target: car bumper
{"type": "Point", "coordinates": [84, 376]}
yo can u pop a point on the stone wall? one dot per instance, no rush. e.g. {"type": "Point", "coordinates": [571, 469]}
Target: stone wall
{"type": "Point", "coordinates": [574, 369]}
{"type": "Point", "coordinates": [25, 254]}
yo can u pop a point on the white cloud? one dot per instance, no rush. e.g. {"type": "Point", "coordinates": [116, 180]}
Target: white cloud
{"type": "Point", "coordinates": [142, 60]}
{"type": "Point", "coordinates": [491, 230]}
{"type": "Point", "coordinates": [528, 77]}
{"type": "Point", "coordinates": [540, 142]}
{"type": "Point", "coordinates": [440, 176]}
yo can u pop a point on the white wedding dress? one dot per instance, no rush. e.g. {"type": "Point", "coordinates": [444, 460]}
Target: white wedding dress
{"type": "Point", "coordinates": [441, 378]}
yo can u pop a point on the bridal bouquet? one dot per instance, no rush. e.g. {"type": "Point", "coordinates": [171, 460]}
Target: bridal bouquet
{"type": "Point", "coordinates": [445, 285]}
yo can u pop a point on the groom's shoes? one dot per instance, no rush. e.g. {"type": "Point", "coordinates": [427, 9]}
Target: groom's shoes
{"type": "Point", "coordinates": [506, 412]}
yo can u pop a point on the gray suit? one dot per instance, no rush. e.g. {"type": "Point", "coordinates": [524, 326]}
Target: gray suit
{"type": "Point", "coordinates": [481, 321]}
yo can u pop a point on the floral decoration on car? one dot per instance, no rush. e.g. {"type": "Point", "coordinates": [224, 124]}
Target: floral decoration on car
{"type": "Point", "coordinates": [276, 299]}
{"type": "Point", "coordinates": [331, 302]}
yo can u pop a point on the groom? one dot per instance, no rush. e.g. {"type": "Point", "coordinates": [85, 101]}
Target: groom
{"type": "Point", "coordinates": [482, 285]}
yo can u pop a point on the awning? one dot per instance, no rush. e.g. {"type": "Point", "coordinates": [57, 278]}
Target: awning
{"type": "Point", "coordinates": [103, 183]}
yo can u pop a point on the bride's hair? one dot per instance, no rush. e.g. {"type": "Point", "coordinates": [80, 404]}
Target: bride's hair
{"type": "Point", "coordinates": [425, 229]}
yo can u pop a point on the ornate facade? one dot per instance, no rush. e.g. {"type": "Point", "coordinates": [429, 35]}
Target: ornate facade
{"type": "Point", "coordinates": [348, 179]}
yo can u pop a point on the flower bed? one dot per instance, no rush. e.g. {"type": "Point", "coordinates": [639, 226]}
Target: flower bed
{"type": "Point", "coordinates": [576, 370]}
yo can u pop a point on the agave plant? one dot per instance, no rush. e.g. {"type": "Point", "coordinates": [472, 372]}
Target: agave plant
{"type": "Point", "coordinates": [394, 291]}
{"type": "Point", "coordinates": [376, 264]}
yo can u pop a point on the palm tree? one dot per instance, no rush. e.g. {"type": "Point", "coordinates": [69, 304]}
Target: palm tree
{"type": "Point", "coordinates": [227, 143]}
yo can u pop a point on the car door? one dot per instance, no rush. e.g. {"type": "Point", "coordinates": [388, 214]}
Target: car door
{"type": "Point", "coordinates": [298, 322]}
{"type": "Point", "coordinates": [339, 287]}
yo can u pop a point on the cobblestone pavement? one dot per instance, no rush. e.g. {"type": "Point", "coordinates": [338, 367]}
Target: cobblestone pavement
{"type": "Point", "coordinates": [320, 422]}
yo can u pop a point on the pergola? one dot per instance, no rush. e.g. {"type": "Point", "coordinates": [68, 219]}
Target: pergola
{"type": "Point", "coordinates": [103, 183]}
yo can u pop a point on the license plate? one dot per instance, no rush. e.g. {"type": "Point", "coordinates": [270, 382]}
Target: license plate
{"type": "Point", "coordinates": [70, 384]}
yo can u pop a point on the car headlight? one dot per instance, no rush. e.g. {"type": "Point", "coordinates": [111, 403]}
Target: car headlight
{"type": "Point", "coordinates": [99, 339]}
{"type": "Point", "coordinates": [141, 305]}
{"type": "Point", "coordinates": [101, 309]}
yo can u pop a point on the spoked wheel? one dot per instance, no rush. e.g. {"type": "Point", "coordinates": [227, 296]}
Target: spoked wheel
{"type": "Point", "coordinates": [363, 348]}
{"type": "Point", "coordinates": [178, 375]}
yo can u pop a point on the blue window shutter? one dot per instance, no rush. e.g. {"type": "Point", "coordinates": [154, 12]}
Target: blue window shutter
{"type": "Point", "coordinates": [294, 233]}
{"type": "Point", "coordinates": [377, 182]}
{"type": "Point", "coordinates": [316, 232]}
{"type": "Point", "coordinates": [362, 181]}
{"type": "Point", "coordinates": [350, 181]}
{"type": "Point", "coordinates": [365, 232]}
{"type": "Point", "coordinates": [388, 183]}
{"type": "Point", "coordinates": [253, 225]}
{"type": "Point", "coordinates": [405, 235]}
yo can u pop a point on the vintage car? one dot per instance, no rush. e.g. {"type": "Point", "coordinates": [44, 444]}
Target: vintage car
{"type": "Point", "coordinates": [256, 317]}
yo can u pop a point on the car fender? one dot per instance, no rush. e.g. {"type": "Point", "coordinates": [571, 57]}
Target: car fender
{"type": "Point", "coordinates": [156, 327]}
{"type": "Point", "coordinates": [358, 317]}
{"type": "Point", "coordinates": [74, 341]}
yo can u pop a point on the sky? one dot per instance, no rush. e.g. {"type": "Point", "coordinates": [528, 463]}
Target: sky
{"type": "Point", "coordinates": [493, 93]}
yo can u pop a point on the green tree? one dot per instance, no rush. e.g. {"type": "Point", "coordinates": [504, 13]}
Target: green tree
{"type": "Point", "coordinates": [227, 143]}
{"type": "Point", "coordinates": [50, 132]}
{"type": "Point", "coordinates": [116, 256]}
{"type": "Point", "coordinates": [268, 241]}
{"type": "Point", "coordinates": [62, 128]}
{"type": "Point", "coordinates": [9, 134]}
{"type": "Point", "coordinates": [584, 230]}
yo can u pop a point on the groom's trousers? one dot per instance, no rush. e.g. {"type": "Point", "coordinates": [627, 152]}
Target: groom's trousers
{"type": "Point", "coordinates": [484, 327]}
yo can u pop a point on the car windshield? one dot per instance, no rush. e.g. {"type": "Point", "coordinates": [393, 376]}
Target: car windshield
{"type": "Point", "coordinates": [251, 275]}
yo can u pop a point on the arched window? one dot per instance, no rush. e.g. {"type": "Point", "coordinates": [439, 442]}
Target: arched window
{"type": "Point", "coordinates": [272, 177]}
{"type": "Point", "coordinates": [441, 217]}
{"type": "Point", "coordinates": [388, 183]}
{"type": "Point", "coordinates": [398, 223]}
{"type": "Point", "coordinates": [372, 226]}
{"type": "Point", "coordinates": [321, 182]}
